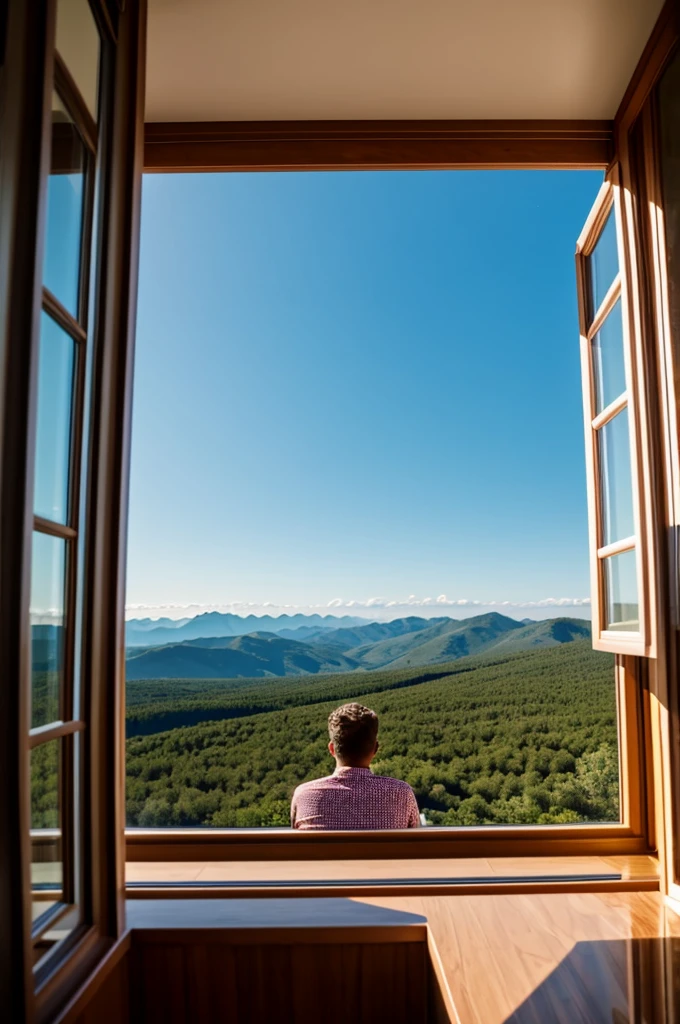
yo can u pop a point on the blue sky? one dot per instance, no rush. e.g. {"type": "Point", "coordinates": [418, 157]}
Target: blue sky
{"type": "Point", "coordinates": [359, 392]}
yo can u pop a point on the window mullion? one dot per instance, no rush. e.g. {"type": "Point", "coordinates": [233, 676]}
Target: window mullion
{"type": "Point", "coordinates": [615, 407]}
{"type": "Point", "coordinates": [608, 303]}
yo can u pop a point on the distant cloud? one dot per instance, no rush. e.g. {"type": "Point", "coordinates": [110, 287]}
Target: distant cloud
{"type": "Point", "coordinates": [371, 605]}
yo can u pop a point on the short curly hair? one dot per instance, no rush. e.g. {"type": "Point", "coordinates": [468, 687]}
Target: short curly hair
{"type": "Point", "coordinates": [353, 729]}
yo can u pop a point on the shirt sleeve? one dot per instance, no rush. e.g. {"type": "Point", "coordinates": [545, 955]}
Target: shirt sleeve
{"type": "Point", "coordinates": [413, 813]}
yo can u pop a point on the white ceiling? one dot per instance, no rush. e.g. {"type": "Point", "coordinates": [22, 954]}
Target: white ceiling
{"type": "Point", "coordinates": [223, 60]}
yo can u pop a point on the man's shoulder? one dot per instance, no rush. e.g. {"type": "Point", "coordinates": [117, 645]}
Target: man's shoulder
{"type": "Point", "coordinates": [311, 784]}
{"type": "Point", "coordinates": [394, 783]}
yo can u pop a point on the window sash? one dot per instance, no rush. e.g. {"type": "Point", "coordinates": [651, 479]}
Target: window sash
{"type": "Point", "coordinates": [74, 900]}
{"type": "Point", "coordinates": [642, 640]}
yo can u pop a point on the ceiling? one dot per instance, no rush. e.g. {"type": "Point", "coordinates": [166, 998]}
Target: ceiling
{"type": "Point", "coordinates": [224, 60]}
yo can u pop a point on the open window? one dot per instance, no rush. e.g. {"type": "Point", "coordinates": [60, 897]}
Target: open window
{"type": "Point", "coordinates": [620, 592]}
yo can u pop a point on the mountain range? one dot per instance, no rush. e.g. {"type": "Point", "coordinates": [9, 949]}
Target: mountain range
{"type": "Point", "coordinates": [158, 632]}
{"type": "Point", "coordinates": [357, 645]}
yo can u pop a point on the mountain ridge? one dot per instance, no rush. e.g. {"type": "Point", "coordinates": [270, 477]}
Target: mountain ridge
{"type": "Point", "coordinates": [262, 654]}
{"type": "Point", "coordinates": [141, 633]}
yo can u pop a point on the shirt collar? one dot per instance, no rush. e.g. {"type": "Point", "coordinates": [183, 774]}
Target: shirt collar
{"type": "Point", "coordinates": [345, 769]}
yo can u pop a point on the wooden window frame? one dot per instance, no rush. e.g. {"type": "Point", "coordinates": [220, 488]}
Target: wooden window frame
{"type": "Point", "coordinates": [629, 835]}
{"type": "Point", "coordinates": [665, 693]}
{"type": "Point", "coordinates": [288, 146]}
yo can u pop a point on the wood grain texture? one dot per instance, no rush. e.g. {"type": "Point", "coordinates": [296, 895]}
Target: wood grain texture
{"type": "Point", "coordinates": [111, 1003]}
{"type": "Point", "coordinates": [105, 993]}
{"type": "Point", "coordinates": [563, 959]}
{"type": "Point", "coordinates": [280, 845]}
{"type": "Point", "coordinates": [592, 958]}
{"type": "Point", "coordinates": [192, 981]}
{"type": "Point", "coordinates": [640, 868]}
{"type": "Point", "coordinates": [375, 145]}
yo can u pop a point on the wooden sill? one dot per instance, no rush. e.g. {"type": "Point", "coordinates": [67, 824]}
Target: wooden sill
{"type": "Point", "coordinates": [389, 877]}
{"type": "Point", "coordinates": [287, 844]}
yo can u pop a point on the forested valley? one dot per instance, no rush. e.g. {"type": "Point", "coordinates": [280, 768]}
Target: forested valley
{"type": "Point", "coordinates": [527, 738]}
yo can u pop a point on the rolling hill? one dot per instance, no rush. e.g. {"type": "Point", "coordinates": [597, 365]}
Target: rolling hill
{"type": "Point", "coordinates": [549, 633]}
{"type": "Point", "coordinates": [249, 656]}
{"type": "Point", "coordinates": [372, 632]}
{"type": "Point", "coordinates": [445, 640]}
{"type": "Point", "coordinates": [404, 643]}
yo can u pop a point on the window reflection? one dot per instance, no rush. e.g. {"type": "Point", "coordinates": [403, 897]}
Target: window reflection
{"type": "Point", "coordinates": [609, 367]}
{"type": "Point", "coordinates": [603, 264]}
{"type": "Point", "coordinates": [55, 394]}
{"type": "Point", "coordinates": [46, 822]}
{"type": "Point", "coordinates": [617, 484]}
{"type": "Point", "coordinates": [65, 190]}
{"type": "Point", "coordinates": [47, 627]}
{"type": "Point", "coordinates": [622, 609]}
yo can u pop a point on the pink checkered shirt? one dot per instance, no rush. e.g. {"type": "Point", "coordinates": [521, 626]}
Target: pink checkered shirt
{"type": "Point", "coordinates": [354, 798]}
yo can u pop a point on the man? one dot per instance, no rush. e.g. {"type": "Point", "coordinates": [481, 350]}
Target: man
{"type": "Point", "coordinates": [353, 797]}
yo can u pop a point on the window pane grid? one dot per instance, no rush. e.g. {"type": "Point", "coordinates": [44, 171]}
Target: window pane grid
{"type": "Point", "coordinates": [57, 723]}
{"type": "Point", "coordinates": [618, 578]}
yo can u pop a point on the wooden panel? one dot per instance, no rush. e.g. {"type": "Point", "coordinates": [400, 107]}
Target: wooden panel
{"type": "Point", "coordinates": [375, 145]}
{"type": "Point", "coordinates": [289, 844]}
{"type": "Point", "coordinates": [111, 1003]}
{"type": "Point", "coordinates": [251, 921]}
{"type": "Point", "coordinates": [104, 996]}
{"type": "Point", "coordinates": [304, 984]}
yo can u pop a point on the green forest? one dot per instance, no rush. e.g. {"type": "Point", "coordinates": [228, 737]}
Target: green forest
{"type": "Point", "coordinates": [527, 738]}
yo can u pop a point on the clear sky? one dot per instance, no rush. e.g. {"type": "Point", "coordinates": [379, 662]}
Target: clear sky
{"type": "Point", "coordinates": [359, 393]}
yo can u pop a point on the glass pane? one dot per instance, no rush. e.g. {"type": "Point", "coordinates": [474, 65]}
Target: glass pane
{"type": "Point", "coordinates": [616, 480]}
{"type": "Point", "coordinates": [603, 264]}
{"type": "Point", "coordinates": [78, 45]}
{"type": "Point", "coordinates": [65, 188]}
{"type": "Point", "coordinates": [609, 368]}
{"type": "Point", "coordinates": [46, 820]}
{"type": "Point", "coordinates": [621, 592]}
{"type": "Point", "coordinates": [47, 627]}
{"type": "Point", "coordinates": [53, 446]}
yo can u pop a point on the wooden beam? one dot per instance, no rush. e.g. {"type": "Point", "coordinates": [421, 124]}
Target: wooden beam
{"type": "Point", "coordinates": [376, 145]}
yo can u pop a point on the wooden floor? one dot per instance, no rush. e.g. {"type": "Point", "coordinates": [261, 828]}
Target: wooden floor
{"type": "Point", "coordinates": [569, 958]}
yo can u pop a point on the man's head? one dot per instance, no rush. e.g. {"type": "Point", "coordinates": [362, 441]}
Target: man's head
{"type": "Point", "coordinates": [353, 731]}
